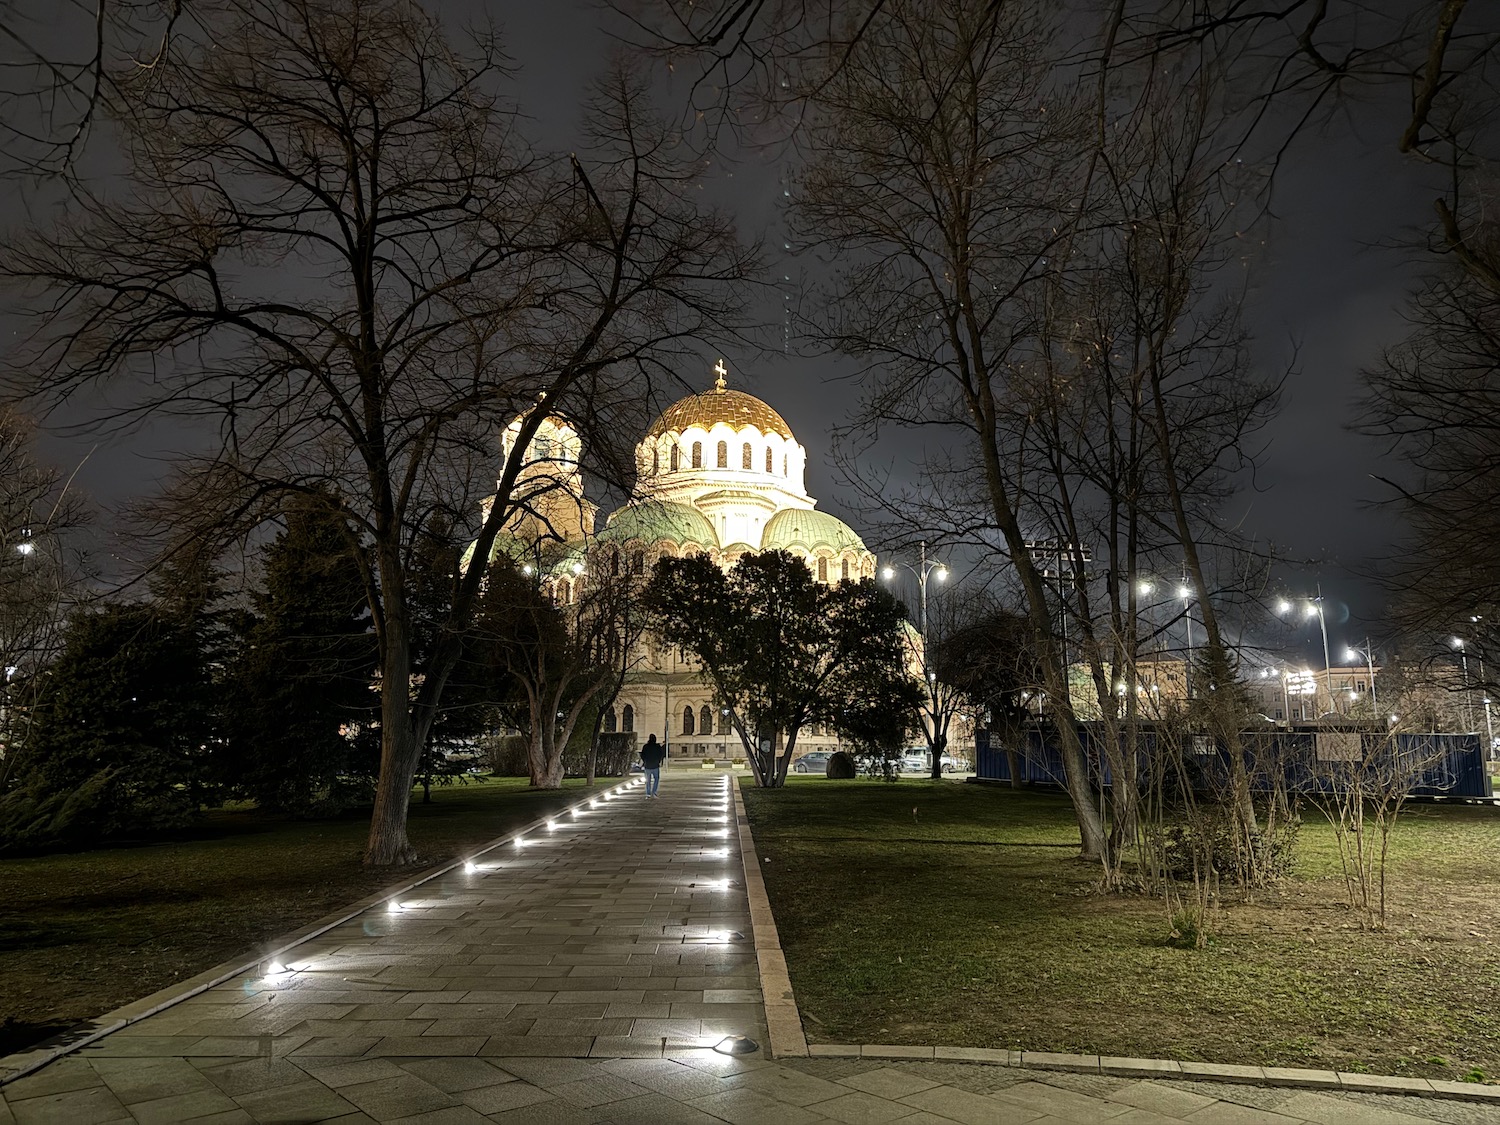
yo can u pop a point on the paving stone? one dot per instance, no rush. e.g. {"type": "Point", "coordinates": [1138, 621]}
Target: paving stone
{"type": "Point", "coordinates": [1326, 1110]}
{"type": "Point", "coordinates": [254, 1074]}
{"type": "Point", "coordinates": [967, 1108]}
{"type": "Point", "coordinates": [1160, 1097]}
{"type": "Point", "coordinates": [1226, 1113]}
{"type": "Point", "coordinates": [1050, 1101]}
{"type": "Point", "coordinates": [491, 1100]}
{"type": "Point", "coordinates": [888, 1082]}
{"type": "Point", "coordinates": [182, 1107]}
{"type": "Point", "coordinates": [657, 1109]}
{"type": "Point", "coordinates": [290, 1105]}
{"type": "Point", "coordinates": [70, 1107]}
{"type": "Point", "coordinates": [56, 1078]}
{"type": "Point", "coordinates": [456, 1074]}
{"type": "Point", "coordinates": [452, 1115]}
{"type": "Point", "coordinates": [863, 1109]}
{"type": "Point", "coordinates": [142, 1080]}
{"type": "Point", "coordinates": [401, 1096]}
{"type": "Point", "coordinates": [787, 1085]}
{"type": "Point", "coordinates": [748, 1107]}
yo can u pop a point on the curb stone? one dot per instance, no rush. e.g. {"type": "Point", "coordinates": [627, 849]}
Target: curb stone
{"type": "Point", "coordinates": [783, 1020]}
{"type": "Point", "coordinates": [1120, 1067]}
{"type": "Point", "coordinates": [81, 1035]}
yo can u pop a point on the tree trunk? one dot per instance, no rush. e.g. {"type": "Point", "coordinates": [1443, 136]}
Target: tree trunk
{"type": "Point", "coordinates": [399, 752]}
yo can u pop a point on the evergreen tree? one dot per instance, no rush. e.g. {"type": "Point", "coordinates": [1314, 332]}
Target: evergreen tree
{"type": "Point", "coordinates": [303, 736]}
{"type": "Point", "coordinates": [122, 740]}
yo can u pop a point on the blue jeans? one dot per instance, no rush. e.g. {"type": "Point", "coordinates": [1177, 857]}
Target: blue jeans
{"type": "Point", "coordinates": [653, 781]}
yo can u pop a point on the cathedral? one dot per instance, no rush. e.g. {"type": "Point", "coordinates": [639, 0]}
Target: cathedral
{"type": "Point", "coordinates": [718, 473]}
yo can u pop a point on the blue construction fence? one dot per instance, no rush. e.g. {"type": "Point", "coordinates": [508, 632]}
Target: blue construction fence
{"type": "Point", "coordinates": [1451, 765]}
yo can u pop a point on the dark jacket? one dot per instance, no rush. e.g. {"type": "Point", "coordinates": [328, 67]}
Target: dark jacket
{"type": "Point", "coordinates": [652, 754]}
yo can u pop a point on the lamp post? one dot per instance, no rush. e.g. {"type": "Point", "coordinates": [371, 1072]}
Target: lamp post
{"type": "Point", "coordinates": [1369, 654]}
{"type": "Point", "coordinates": [1315, 609]}
{"type": "Point", "coordinates": [1463, 660]}
{"type": "Point", "coordinates": [1186, 594]}
{"type": "Point", "coordinates": [924, 570]}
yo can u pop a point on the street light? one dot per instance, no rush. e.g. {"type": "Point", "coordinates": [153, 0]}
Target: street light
{"type": "Point", "coordinates": [1463, 659]}
{"type": "Point", "coordinates": [1369, 654]}
{"type": "Point", "coordinates": [1314, 608]}
{"type": "Point", "coordinates": [1186, 594]}
{"type": "Point", "coordinates": [925, 569]}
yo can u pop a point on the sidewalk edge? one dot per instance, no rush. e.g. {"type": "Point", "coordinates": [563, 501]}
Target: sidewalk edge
{"type": "Point", "coordinates": [783, 1020]}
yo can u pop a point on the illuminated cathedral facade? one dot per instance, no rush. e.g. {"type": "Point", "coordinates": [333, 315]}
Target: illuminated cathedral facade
{"type": "Point", "coordinates": [718, 473]}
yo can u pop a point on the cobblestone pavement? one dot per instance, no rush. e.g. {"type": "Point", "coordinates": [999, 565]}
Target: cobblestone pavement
{"type": "Point", "coordinates": [580, 977]}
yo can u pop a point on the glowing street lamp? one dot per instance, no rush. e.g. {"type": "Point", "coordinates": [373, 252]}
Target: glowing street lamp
{"type": "Point", "coordinates": [1368, 653]}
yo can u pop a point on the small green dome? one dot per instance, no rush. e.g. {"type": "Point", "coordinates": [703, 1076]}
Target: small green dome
{"type": "Point", "coordinates": [809, 529]}
{"type": "Point", "coordinates": [652, 521]}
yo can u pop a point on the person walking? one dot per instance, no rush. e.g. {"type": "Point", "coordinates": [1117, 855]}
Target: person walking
{"type": "Point", "coordinates": [651, 756]}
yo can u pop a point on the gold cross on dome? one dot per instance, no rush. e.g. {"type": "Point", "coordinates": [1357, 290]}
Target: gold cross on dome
{"type": "Point", "coordinates": [720, 370]}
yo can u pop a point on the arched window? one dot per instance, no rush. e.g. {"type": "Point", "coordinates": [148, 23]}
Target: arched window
{"type": "Point", "coordinates": [770, 467]}
{"type": "Point", "coordinates": [610, 721]}
{"type": "Point", "coordinates": [783, 464]}
{"type": "Point", "coordinates": [627, 718]}
{"type": "Point", "coordinates": [747, 457]}
{"type": "Point", "coordinates": [638, 563]}
{"type": "Point", "coordinates": [564, 592]}
{"type": "Point", "coordinates": [687, 720]}
{"type": "Point", "coordinates": [675, 457]}
{"type": "Point", "coordinates": [655, 461]}
{"type": "Point", "coordinates": [723, 454]}
{"type": "Point", "coordinates": [844, 571]}
{"type": "Point", "coordinates": [706, 716]}
{"type": "Point", "coordinates": [697, 455]}
{"type": "Point", "coordinates": [822, 570]}
{"type": "Point", "coordinates": [614, 563]}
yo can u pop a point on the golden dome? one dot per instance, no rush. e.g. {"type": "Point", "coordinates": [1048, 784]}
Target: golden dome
{"type": "Point", "coordinates": [734, 408]}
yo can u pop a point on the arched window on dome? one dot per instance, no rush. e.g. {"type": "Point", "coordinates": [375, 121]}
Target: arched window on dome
{"type": "Point", "coordinates": [611, 720]}
{"type": "Point", "coordinates": [562, 592]}
{"type": "Point", "coordinates": [687, 720]}
{"type": "Point", "coordinates": [770, 465]}
{"type": "Point", "coordinates": [706, 720]}
{"type": "Point", "coordinates": [697, 455]}
{"type": "Point", "coordinates": [676, 456]}
{"type": "Point", "coordinates": [822, 570]}
{"type": "Point", "coordinates": [723, 452]}
{"type": "Point", "coordinates": [783, 464]}
{"type": "Point", "coordinates": [638, 563]}
{"type": "Point", "coordinates": [844, 571]}
{"type": "Point", "coordinates": [747, 457]}
{"type": "Point", "coordinates": [614, 562]}
{"type": "Point", "coordinates": [627, 719]}
{"type": "Point", "coordinates": [655, 461]}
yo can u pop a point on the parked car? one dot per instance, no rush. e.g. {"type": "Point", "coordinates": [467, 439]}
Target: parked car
{"type": "Point", "coordinates": [921, 763]}
{"type": "Point", "coordinates": [815, 761]}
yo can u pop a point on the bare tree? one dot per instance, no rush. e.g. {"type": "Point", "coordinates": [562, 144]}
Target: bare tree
{"type": "Point", "coordinates": [341, 250]}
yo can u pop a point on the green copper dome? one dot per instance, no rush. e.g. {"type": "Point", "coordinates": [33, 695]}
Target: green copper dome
{"type": "Point", "coordinates": [794, 527]}
{"type": "Point", "coordinates": [654, 521]}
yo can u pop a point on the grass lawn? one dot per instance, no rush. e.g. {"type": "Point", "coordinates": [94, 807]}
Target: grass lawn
{"type": "Point", "coordinates": [938, 912]}
{"type": "Point", "coordinates": [83, 933]}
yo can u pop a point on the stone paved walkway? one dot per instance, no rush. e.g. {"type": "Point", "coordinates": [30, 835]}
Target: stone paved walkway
{"type": "Point", "coordinates": [582, 976]}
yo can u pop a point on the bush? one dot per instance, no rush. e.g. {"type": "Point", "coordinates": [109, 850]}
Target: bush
{"type": "Point", "coordinates": [841, 767]}
{"type": "Point", "coordinates": [1213, 843]}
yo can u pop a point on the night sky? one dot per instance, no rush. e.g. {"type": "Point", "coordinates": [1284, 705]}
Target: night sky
{"type": "Point", "coordinates": [1331, 279]}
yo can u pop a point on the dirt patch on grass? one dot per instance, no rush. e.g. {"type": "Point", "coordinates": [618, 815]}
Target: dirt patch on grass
{"type": "Point", "coordinates": [893, 938]}
{"type": "Point", "coordinates": [83, 933]}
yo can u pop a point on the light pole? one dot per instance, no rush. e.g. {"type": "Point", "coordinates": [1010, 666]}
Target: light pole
{"type": "Point", "coordinates": [1186, 594]}
{"type": "Point", "coordinates": [1369, 654]}
{"type": "Point", "coordinates": [1315, 609]}
{"type": "Point", "coordinates": [1463, 660]}
{"type": "Point", "coordinates": [924, 570]}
